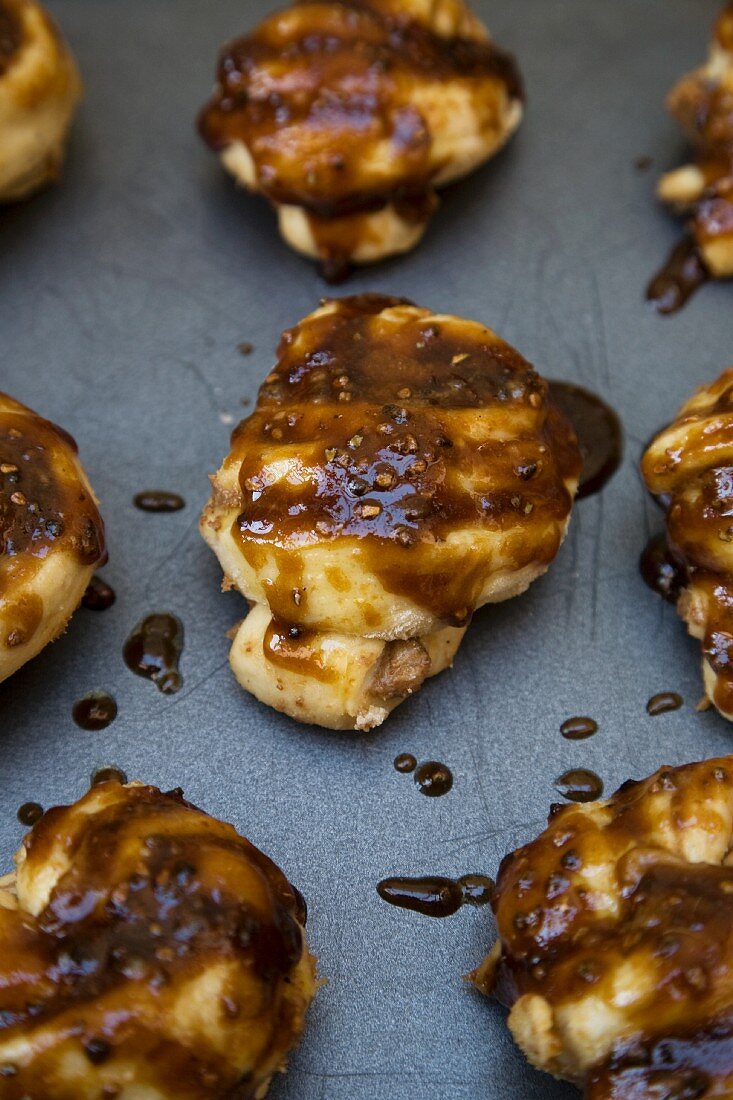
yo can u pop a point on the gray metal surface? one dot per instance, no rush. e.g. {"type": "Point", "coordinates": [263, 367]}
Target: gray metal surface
{"type": "Point", "coordinates": [123, 295]}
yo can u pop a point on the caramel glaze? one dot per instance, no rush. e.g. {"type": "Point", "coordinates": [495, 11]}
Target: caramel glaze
{"type": "Point", "coordinates": [94, 711]}
{"type": "Point", "coordinates": [11, 36]}
{"type": "Point", "coordinates": [599, 432]}
{"type": "Point", "coordinates": [151, 895]}
{"type": "Point", "coordinates": [702, 103]}
{"type": "Point", "coordinates": [43, 509]}
{"type": "Point", "coordinates": [435, 896]}
{"type": "Point", "coordinates": [579, 785]}
{"type": "Point", "coordinates": [661, 570]}
{"type": "Point", "coordinates": [317, 91]}
{"type": "Point", "coordinates": [682, 274]}
{"type": "Point", "coordinates": [158, 500]}
{"type": "Point", "coordinates": [30, 813]}
{"type": "Point", "coordinates": [379, 418]}
{"type": "Point", "coordinates": [692, 462]}
{"type": "Point", "coordinates": [663, 703]}
{"type": "Point", "coordinates": [433, 779]}
{"type": "Point", "coordinates": [99, 595]}
{"type": "Point", "coordinates": [608, 900]}
{"type": "Point", "coordinates": [154, 649]}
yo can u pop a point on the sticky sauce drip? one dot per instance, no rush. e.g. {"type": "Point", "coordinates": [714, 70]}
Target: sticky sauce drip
{"type": "Point", "coordinates": [99, 595]}
{"type": "Point", "coordinates": [683, 273]}
{"type": "Point", "coordinates": [433, 779]}
{"type": "Point", "coordinates": [405, 763]}
{"type": "Point", "coordinates": [295, 649]}
{"type": "Point", "coordinates": [579, 785]}
{"type": "Point", "coordinates": [95, 711]}
{"type": "Point", "coordinates": [664, 702]}
{"type": "Point", "coordinates": [661, 571]}
{"type": "Point", "coordinates": [436, 896]}
{"type": "Point", "coordinates": [159, 500]}
{"type": "Point", "coordinates": [153, 650]}
{"type": "Point", "coordinates": [578, 729]}
{"type": "Point", "coordinates": [599, 432]}
{"type": "Point", "coordinates": [29, 813]}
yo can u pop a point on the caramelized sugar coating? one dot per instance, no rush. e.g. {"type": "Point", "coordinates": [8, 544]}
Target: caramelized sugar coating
{"type": "Point", "coordinates": [690, 465]}
{"type": "Point", "coordinates": [348, 114]}
{"type": "Point", "coordinates": [615, 948]}
{"type": "Point", "coordinates": [40, 88]}
{"type": "Point", "coordinates": [703, 105]}
{"type": "Point", "coordinates": [401, 469]}
{"type": "Point", "coordinates": [51, 533]}
{"type": "Point", "coordinates": [148, 952]}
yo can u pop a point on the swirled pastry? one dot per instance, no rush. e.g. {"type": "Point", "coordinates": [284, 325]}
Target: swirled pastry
{"type": "Point", "coordinates": [39, 90]}
{"type": "Point", "coordinates": [147, 952]}
{"type": "Point", "coordinates": [690, 466]}
{"type": "Point", "coordinates": [51, 534]}
{"type": "Point", "coordinates": [703, 105]}
{"type": "Point", "coordinates": [401, 469]}
{"type": "Point", "coordinates": [615, 949]}
{"type": "Point", "coordinates": [348, 114]}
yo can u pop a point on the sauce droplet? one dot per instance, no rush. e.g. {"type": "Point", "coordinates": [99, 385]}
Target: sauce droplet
{"type": "Point", "coordinates": [579, 785]}
{"type": "Point", "coordinates": [643, 163]}
{"type": "Point", "coordinates": [94, 711]}
{"type": "Point", "coordinates": [661, 571]}
{"type": "Point", "coordinates": [433, 779]}
{"type": "Point", "coordinates": [478, 890]}
{"type": "Point", "coordinates": [99, 595]}
{"type": "Point", "coordinates": [245, 348]}
{"type": "Point", "coordinates": [405, 763]}
{"type": "Point", "coordinates": [663, 703]}
{"type": "Point", "coordinates": [435, 896]}
{"type": "Point", "coordinates": [107, 774]}
{"type": "Point", "coordinates": [599, 432]}
{"type": "Point", "coordinates": [153, 650]}
{"type": "Point", "coordinates": [578, 729]}
{"type": "Point", "coordinates": [29, 813]}
{"type": "Point", "coordinates": [158, 500]}
{"type": "Point", "coordinates": [682, 274]}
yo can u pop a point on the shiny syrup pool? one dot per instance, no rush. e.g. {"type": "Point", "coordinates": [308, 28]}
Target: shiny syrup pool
{"type": "Point", "coordinates": [660, 571]}
{"type": "Point", "coordinates": [158, 500]}
{"type": "Point", "coordinates": [153, 650]}
{"type": "Point", "coordinates": [94, 711]}
{"type": "Point", "coordinates": [579, 785]}
{"type": "Point", "coordinates": [99, 595]}
{"type": "Point", "coordinates": [599, 432]}
{"type": "Point", "coordinates": [435, 896]}
{"type": "Point", "coordinates": [30, 813]}
{"type": "Point", "coordinates": [663, 703]}
{"type": "Point", "coordinates": [433, 779]}
{"type": "Point", "coordinates": [578, 729]}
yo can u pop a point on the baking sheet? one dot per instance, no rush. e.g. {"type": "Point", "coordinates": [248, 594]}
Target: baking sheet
{"type": "Point", "coordinates": [123, 296]}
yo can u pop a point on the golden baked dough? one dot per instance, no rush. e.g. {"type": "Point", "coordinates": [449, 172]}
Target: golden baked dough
{"type": "Point", "coordinates": [690, 465]}
{"type": "Point", "coordinates": [39, 90]}
{"type": "Point", "coordinates": [348, 114]}
{"type": "Point", "coordinates": [401, 469]}
{"type": "Point", "coordinates": [147, 952]}
{"type": "Point", "coordinates": [615, 949]}
{"type": "Point", "coordinates": [703, 105]}
{"type": "Point", "coordinates": [51, 534]}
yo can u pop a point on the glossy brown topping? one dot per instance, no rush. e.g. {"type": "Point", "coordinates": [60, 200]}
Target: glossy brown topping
{"type": "Point", "coordinates": [691, 464]}
{"type": "Point", "coordinates": [319, 90]}
{"type": "Point", "coordinates": [436, 896]}
{"type": "Point", "coordinates": [616, 939]}
{"type": "Point", "coordinates": [11, 36]}
{"type": "Point", "coordinates": [42, 504]}
{"type": "Point", "coordinates": [346, 106]}
{"type": "Point", "coordinates": [703, 105]}
{"type": "Point", "coordinates": [152, 948]}
{"type": "Point", "coordinates": [400, 431]}
{"type": "Point", "coordinates": [153, 650]}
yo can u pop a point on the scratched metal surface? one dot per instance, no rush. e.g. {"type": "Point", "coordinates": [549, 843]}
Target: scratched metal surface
{"type": "Point", "coordinates": [123, 296]}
